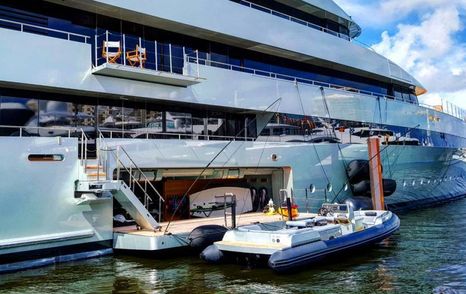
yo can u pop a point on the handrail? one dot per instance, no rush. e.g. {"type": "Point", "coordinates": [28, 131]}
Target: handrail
{"type": "Point", "coordinates": [68, 34]}
{"type": "Point", "coordinates": [130, 172]}
{"type": "Point", "coordinates": [292, 18]}
{"type": "Point", "coordinates": [84, 150]}
{"type": "Point", "coordinates": [23, 129]}
{"type": "Point", "coordinates": [151, 61]}
{"type": "Point", "coordinates": [175, 135]}
{"type": "Point", "coordinates": [456, 111]}
{"type": "Point", "coordinates": [448, 108]}
{"type": "Point", "coordinates": [274, 75]}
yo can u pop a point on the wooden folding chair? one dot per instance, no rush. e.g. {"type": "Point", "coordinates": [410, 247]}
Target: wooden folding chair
{"type": "Point", "coordinates": [136, 57]}
{"type": "Point", "coordinates": [111, 51]}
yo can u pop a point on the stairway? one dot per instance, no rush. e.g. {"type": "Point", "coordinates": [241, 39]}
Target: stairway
{"type": "Point", "coordinates": [95, 185]}
{"type": "Point", "coordinates": [97, 191]}
{"type": "Point", "coordinates": [95, 171]}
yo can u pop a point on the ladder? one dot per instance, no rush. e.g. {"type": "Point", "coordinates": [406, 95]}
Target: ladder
{"type": "Point", "coordinates": [97, 178]}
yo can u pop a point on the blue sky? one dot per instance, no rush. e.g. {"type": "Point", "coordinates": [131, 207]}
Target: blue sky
{"type": "Point", "coordinates": [426, 37]}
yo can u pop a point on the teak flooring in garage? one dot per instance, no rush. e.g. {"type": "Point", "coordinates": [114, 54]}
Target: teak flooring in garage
{"type": "Point", "coordinates": [186, 226]}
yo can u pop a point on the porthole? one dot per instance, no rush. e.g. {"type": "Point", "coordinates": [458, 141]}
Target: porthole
{"type": "Point", "coordinates": [329, 187]}
{"type": "Point", "coordinates": [46, 157]}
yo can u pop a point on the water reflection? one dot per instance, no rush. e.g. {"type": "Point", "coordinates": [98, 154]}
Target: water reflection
{"type": "Point", "coordinates": [425, 256]}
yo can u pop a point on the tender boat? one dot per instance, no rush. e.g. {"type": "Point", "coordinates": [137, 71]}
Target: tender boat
{"type": "Point", "coordinates": [299, 243]}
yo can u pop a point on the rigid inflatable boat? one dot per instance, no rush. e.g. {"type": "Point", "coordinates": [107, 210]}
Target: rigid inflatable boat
{"type": "Point", "coordinates": [296, 244]}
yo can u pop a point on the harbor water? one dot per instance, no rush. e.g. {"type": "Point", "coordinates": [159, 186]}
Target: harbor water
{"type": "Point", "coordinates": [427, 255]}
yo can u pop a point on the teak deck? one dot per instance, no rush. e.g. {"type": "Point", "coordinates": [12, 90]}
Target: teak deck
{"type": "Point", "coordinates": [186, 226]}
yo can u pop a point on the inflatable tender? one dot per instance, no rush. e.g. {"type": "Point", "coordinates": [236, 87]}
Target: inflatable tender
{"type": "Point", "coordinates": [303, 242]}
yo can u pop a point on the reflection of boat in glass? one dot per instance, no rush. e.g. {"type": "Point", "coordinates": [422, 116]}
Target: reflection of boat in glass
{"type": "Point", "coordinates": [13, 114]}
{"type": "Point", "coordinates": [56, 119]}
{"type": "Point", "coordinates": [388, 137]}
{"type": "Point", "coordinates": [274, 132]}
{"type": "Point", "coordinates": [236, 107]}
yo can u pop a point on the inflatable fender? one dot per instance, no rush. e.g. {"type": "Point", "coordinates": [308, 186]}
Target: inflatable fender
{"type": "Point", "coordinates": [363, 188]}
{"type": "Point", "coordinates": [359, 202]}
{"type": "Point", "coordinates": [203, 236]}
{"type": "Point", "coordinates": [358, 170]}
{"type": "Point", "coordinates": [212, 254]}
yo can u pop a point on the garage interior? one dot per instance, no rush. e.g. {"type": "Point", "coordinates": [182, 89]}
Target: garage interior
{"type": "Point", "coordinates": [174, 184]}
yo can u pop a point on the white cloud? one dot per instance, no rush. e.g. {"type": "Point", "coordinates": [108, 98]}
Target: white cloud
{"type": "Point", "coordinates": [383, 12]}
{"type": "Point", "coordinates": [429, 48]}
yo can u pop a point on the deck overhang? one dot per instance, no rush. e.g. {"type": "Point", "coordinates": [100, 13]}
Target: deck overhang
{"type": "Point", "coordinates": [145, 75]}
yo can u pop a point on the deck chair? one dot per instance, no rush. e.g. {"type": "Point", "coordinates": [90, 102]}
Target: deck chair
{"type": "Point", "coordinates": [136, 57]}
{"type": "Point", "coordinates": [111, 50]}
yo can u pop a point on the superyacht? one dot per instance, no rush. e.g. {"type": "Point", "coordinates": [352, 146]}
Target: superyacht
{"type": "Point", "coordinates": [115, 110]}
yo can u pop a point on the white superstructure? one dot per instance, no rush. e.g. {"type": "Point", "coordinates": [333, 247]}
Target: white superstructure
{"type": "Point", "coordinates": [104, 100]}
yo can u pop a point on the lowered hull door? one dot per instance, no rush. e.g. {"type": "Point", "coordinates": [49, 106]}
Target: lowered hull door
{"type": "Point", "coordinates": [134, 207]}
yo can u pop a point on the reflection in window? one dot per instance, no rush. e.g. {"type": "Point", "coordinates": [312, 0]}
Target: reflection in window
{"type": "Point", "coordinates": [85, 118]}
{"type": "Point", "coordinates": [179, 122]}
{"type": "Point", "coordinates": [57, 116]}
{"type": "Point", "coordinates": [16, 111]}
{"type": "Point", "coordinates": [133, 118]}
{"type": "Point", "coordinates": [216, 126]}
{"type": "Point", "coordinates": [154, 121]}
{"type": "Point", "coordinates": [199, 127]}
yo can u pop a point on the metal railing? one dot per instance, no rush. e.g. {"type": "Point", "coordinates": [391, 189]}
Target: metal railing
{"type": "Point", "coordinates": [84, 151]}
{"type": "Point", "coordinates": [447, 108]}
{"type": "Point", "coordinates": [28, 131]}
{"type": "Point", "coordinates": [274, 75]}
{"type": "Point", "coordinates": [102, 157]}
{"type": "Point", "coordinates": [153, 55]}
{"type": "Point", "coordinates": [40, 30]}
{"type": "Point", "coordinates": [291, 18]}
{"type": "Point", "coordinates": [131, 134]}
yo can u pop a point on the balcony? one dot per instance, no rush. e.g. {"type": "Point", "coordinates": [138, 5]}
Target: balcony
{"type": "Point", "coordinates": [193, 63]}
{"type": "Point", "coordinates": [38, 30]}
{"type": "Point", "coordinates": [129, 57]}
{"type": "Point", "coordinates": [293, 19]}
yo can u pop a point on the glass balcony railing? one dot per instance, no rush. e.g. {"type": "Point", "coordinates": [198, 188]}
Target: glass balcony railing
{"type": "Point", "coordinates": [134, 51]}
{"type": "Point", "coordinates": [446, 106]}
{"type": "Point", "coordinates": [292, 18]}
{"type": "Point", "coordinates": [126, 50]}
{"type": "Point", "coordinates": [274, 75]}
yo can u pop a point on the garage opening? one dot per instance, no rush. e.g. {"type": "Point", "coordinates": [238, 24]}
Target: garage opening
{"type": "Point", "coordinates": [186, 195]}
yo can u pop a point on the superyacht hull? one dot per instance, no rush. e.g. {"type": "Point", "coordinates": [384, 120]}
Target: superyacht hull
{"type": "Point", "coordinates": [116, 117]}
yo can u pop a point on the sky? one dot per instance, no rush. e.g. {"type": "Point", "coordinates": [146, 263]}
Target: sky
{"type": "Point", "coordinates": [425, 37]}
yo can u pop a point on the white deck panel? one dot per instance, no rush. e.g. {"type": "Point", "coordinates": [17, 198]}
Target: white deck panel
{"type": "Point", "coordinates": [129, 238]}
{"type": "Point", "coordinates": [146, 75]}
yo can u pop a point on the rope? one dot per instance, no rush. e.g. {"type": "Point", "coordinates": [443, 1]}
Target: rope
{"type": "Point", "coordinates": [367, 163]}
{"type": "Point", "coordinates": [209, 164]}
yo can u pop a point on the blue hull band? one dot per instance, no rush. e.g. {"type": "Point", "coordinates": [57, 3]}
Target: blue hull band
{"type": "Point", "coordinates": [297, 257]}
